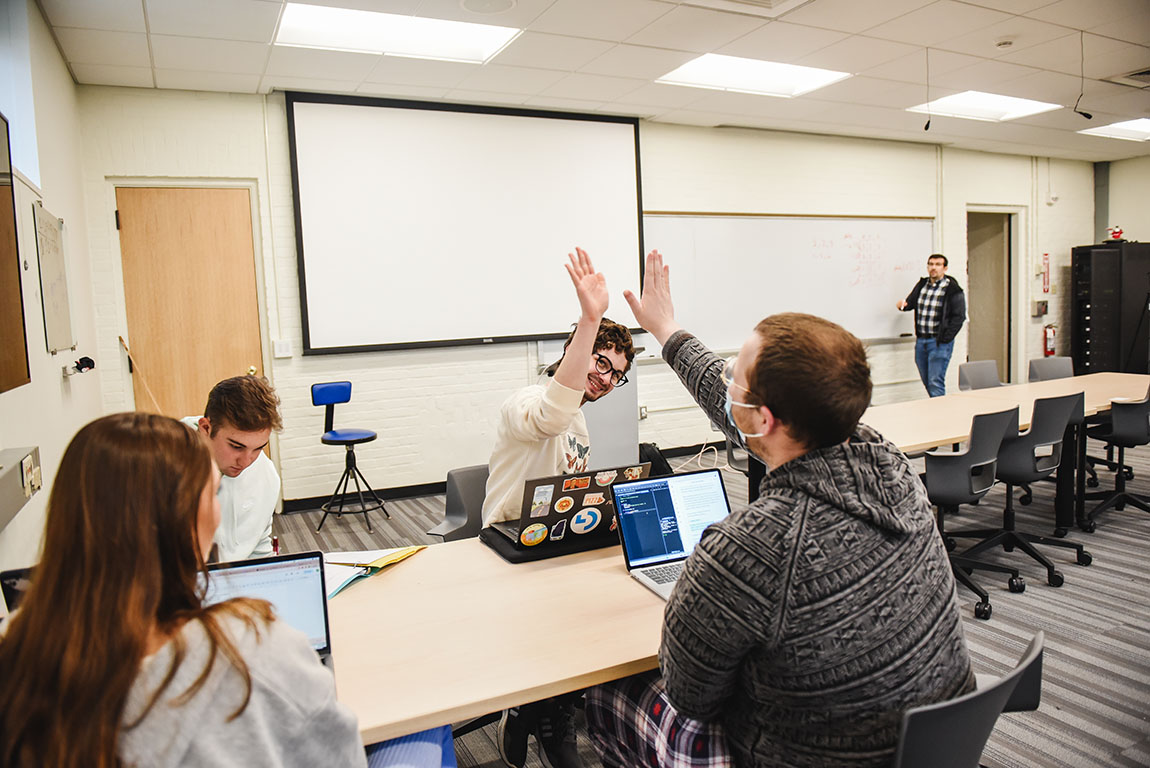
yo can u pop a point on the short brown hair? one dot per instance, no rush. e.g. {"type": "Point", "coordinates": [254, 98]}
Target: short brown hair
{"type": "Point", "coordinates": [945, 261]}
{"type": "Point", "coordinates": [246, 403]}
{"type": "Point", "coordinates": [813, 375]}
{"type": "Point", "coordinates": [611, 335]}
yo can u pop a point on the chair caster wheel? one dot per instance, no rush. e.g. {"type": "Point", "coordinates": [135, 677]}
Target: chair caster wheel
{"type": "Point", "coordinates": [1054, 579]}
{"type": "Point", "coordinates": [1084, 558]}
{"type": "Point", "coordinates": [1060, 533]}
{"type": "Point", "coordinates": [982, 611]}
{"type": "Point", "coordinates": [1016, 584]}
{"type": "Point", "coordinates": [1025, 499]}
{"type": "Point", "coordinates": [1007, 547]}
{"type": "Point", "coordinates": [950, 544]}
{"type": "Point", "coordinates": [1089, 526]}
{"type": "Point", "coordinates": [1129, 473]}
{"type": "Point", "coordinates": [1092, 482]}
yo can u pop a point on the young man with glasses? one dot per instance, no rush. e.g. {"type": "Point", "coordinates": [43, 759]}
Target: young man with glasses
{"type": "Point", "coordinates": [803, 626]}
{"type": "Point", "coordinates": [542, 432]}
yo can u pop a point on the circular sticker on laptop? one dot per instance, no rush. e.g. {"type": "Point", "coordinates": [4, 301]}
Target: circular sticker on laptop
{"type": "Point", "coordinates": [564, 504]}
{"type": "Point", "coordinates": [585, 520]}
{"type": "Point", "coordinates": [533, 534]}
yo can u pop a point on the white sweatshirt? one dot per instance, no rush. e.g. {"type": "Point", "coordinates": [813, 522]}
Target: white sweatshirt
{"type": "Point", "coordinates": [541, 432]}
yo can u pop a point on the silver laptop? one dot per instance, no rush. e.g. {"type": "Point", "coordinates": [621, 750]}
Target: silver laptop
{"type": "Point", "coordinates": [661, 519]}
{"type": "Point", "coordinates": [293, 584]}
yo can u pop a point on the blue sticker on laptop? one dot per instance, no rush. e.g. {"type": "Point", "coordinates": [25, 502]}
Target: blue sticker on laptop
{"type": "Point", "coordinates": [585, 520]}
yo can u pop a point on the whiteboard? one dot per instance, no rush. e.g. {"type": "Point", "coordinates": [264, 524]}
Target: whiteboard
{"type": "Point", "coordinates": [425, 224]}
{"type": "Point", "coordinates": [729, 272]}
{"type": "Point", "coordinates": [53, 280]}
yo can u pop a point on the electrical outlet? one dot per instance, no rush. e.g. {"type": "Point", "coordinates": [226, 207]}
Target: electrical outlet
{"type": "Point", "coordinates": [642, 412]}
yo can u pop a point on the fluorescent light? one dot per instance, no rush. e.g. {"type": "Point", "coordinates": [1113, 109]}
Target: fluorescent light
{"type": "Point", "coordinates": [976, 105]}
{"type": "Point", "coordinates": [1131, 130]}
{"type": "Point", "coordinates": [767, 78]}
{"type": "Point", "coordinates": [343, 29]}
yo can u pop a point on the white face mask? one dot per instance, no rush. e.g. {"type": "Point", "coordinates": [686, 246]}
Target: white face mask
{"type": "Point", "coordinates": [731, 417]}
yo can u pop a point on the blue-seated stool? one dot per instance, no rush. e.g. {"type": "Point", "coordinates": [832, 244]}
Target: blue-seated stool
{"type": "Point", "coordinates": [328, 394]}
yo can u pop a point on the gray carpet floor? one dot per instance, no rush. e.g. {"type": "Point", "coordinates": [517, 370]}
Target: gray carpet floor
{"type": "Point", "coordinates": [1096, 675]}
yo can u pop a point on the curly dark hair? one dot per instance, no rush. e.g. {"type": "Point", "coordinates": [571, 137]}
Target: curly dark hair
{"type": "Point", "coordinates": [611, 335]}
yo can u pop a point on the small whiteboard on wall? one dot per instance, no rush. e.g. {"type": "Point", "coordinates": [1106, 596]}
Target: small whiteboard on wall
{"type": "Point", "coordinates": [428, 224]}
{"type": "Point", "coordinates": [53, 280]}
{"type": "Point", "coordinates": [728, 272]}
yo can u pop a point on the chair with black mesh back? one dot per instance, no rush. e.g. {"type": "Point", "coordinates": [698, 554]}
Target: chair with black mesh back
{"type": "Point", "coordinates": [953, 733]}
{"type": "Point", "coordinates": [964, 477]}
{"type": "Point", "coordinates": [980, 374]}
{"type": "Point", "coordinates": [1129, 427]}
{"type": "Point", "coordinates": [329, 394]}
{"type": "Point", "coordinates": [1027, 457]}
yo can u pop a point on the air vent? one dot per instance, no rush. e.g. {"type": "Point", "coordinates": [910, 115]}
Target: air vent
{"type": "Point", "coordinates": [1139, 78]}
{"type": "Point", "coordinates": [770, 9]}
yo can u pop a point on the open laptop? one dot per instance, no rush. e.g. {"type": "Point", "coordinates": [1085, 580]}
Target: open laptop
{"type": "Point", "coordinates": [661, 519]}
{"type": "Point", "coordinates": [568, 507]}
{"type": "Point", "coordinates": [293, 584]}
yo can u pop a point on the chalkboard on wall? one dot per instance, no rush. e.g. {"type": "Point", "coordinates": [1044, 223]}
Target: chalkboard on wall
{"type": "Point", "coordinates": [730, 271]}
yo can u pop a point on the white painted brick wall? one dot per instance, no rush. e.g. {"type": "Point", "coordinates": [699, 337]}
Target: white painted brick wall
{"type": "Point", "coordinates": [436, 409]}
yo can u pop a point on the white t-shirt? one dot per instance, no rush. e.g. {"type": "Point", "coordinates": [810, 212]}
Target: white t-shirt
{"type": "Point", "coordinates": [541, 432]}
{"type": "Point", "coordinates": [247, 503]}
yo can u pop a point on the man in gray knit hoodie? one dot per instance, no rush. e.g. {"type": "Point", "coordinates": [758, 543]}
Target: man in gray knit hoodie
{"type": "Point", "coordinates": [804, 625]}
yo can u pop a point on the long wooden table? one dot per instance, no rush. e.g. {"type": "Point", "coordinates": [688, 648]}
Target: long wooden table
{"type": "Point", "coordinates": [456, 632]}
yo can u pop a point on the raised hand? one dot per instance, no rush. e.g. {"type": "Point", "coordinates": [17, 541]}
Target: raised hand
{"type": "Point", "coordinates": [590, 285]}
{"type": "Point", "coordinates": [655, 310]}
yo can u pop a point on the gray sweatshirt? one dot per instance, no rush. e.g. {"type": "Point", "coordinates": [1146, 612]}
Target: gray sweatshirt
{"type": "Point", "coordinates": [808, 622]}
{"type": "Point", "coordinates": [292, 719]}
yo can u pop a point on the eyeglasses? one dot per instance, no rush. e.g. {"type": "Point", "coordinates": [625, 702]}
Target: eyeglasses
{"type": "Point", "coordinates": [728, 377]}
{"type": "Point", "coordinates": [603, 365]}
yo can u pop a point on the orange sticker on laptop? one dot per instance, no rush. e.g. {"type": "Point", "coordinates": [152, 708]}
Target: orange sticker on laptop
{"type": "Point", "coordinates": [633, 473]}
{"type": "Point", "coordinates": [564, 504]}
{"type": "Point", "coordinates": [576, 483]}
{"type": "Point", "coordinates": [592, 499]}
{"type": "Point", "coordinates": [533, 534]}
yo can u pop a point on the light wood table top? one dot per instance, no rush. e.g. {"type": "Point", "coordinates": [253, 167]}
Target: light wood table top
{"type": "Point", "coordinates": [1100, 389]}
{"type": "Point", "coordinates": [455, 632]}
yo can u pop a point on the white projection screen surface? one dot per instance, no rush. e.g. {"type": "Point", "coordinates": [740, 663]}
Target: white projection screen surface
{"type": "Point", "coordinates": [429, 224]}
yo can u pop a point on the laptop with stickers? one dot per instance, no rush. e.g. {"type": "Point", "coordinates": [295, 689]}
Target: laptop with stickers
{"type": "Point", "coordinates": [567, 507]}
{"type": "Point", "coordinates": [661, 519]}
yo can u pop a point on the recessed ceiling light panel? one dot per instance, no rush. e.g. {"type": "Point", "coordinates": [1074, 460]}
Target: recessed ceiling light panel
{"type": "Point", "coordinates": [766, 78]}
{"type": "Point", "coordinates": [1130, 130]}
{"type": "Point", "coordinates": [976, 105]}
{"type": "Point", "coordinates": [344, 29]}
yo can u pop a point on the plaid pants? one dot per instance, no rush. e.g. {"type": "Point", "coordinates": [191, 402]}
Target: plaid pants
{"type": "Point", "coordinates": [632, 724]}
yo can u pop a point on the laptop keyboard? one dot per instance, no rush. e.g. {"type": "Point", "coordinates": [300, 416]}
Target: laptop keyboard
{"type": "Point", "coordinates": [664, 574]}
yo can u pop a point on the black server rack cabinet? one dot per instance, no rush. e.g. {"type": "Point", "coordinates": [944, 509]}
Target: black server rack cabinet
{"type": "Point", "coordinates": [1110, 311]}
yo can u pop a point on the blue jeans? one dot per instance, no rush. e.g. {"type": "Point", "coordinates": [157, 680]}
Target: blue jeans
{"type": "Point", "coordinates": [932, 358]}
{"type": "Point", "coordinates": [426, 749]}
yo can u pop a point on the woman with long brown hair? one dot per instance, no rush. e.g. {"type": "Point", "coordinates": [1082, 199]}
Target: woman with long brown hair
{"type": "Point", "coordinates": [114, 660]}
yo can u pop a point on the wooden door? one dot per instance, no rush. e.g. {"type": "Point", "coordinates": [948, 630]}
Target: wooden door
{"type": "Point", "coordinates": [988, 290]}
{"type": "Point", "coordinates": [190, 292]}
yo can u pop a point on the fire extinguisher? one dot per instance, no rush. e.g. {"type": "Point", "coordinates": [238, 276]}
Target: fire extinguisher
{"type": "Point", "coordinates": [1048, 339]}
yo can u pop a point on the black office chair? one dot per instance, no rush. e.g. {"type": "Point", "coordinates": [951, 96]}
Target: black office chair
{"type": "Point", "coordinates": [964, 477]}
{"type": "Point", "coordinates": [463, 517]}
{"type": "Point", "coordinates": [13, 585]}
{"type": "Point", "coordinates": [1022, 458]}
{"type": "Point", "coordinates": [980, 374]}
{"type": "Point", "coordinates": [1050, 368]}
{"type": "Point", "coordinates": [952, 734]}
{"type": "Point", "coordinates": [1129, 427]}
{"type": "Point", "coordinates": [328, 394]}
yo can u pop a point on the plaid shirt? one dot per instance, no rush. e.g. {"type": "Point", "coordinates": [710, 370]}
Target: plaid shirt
{"type": "Point", "coordinates": [928, 312]}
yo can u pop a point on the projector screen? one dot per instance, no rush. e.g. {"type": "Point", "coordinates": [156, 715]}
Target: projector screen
{"type": "Point", "coordinates": [426, 224]}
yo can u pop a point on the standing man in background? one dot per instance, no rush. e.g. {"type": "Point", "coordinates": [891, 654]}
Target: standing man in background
{"type": "Point", "coordinates": [238, 421]}
{"type": "Point", "coordinates": [939, 310]}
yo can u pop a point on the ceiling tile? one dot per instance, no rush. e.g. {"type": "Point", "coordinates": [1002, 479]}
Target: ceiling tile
{"type": "Point", "coordinates": [749, 104]}
{"type": "Point", "coordinates": [1043, 85]}
{"type": "Point", "coordinates": [461, 96]}
{"type": "Point", "coordinates": [780, 41]}
{"type": "Point", "coordinates": [104, 74]}
{"type": "Point", "coordinates": [1077, 14]}
{"type": "Point", "coordinates": [872, 92]}
{"type": "Point", "coordinates": [984, 76]}
{"type": "Point", "coordinates": [695, 29]}
{"type": "Point", "coordinates": [851, 15]}
{"type": "Point", "coordinates": [912, 68]}
{"type": "Point", "coordinates": [190, 53]}
{"type": "Point", "coordinates": [939, 21]}
{"type": "Point", "coordinates": [565, 105]}
{"type": "Point", "coordinates": [663, 96]}
{"type": "Point", "coordinates": [392, 91]}
{"type": "Point", "coordinates": [601, 19]}
{"type": "Point", "coordinates": [1133, 29]}
{"type": "Point", "coordinates": [93, 46]}
{"type": "Point", "coordinates": [253, 20]}
{"type": "Point", "coordinates": [519, 16]}
{"type": "Point", "coordinates": [113, 15]}
{"type": "Point", "coordinates": [1120, 59]}
{"type": "Point", "coordinates": [1013, 6]}
{"type": "Point", "coordinates": [593, 87]}
{"type": "Point", "coordinates": [421, 73]}
{"type": "Point", "coordinates": [1022, 32]}
{"type": "Point", "coordinates": [544, 51]}
{"type": "Point", "coordinates": [1060, 54]}
{"type": "Point", "coordinates": [500, 79]}
{"type": "Point", "coordinates": [1129, 102]}
{"type": "Point", "coordinates": [311, 84]}
{"type": "Point", "coordinates": [401, 7]}
{"type": "Point", "coordinates": [856, 54]}
{"type": "Point", "coordinates": [207, 81]}
{"type": "Point", "coordinates": [638, 62]}
{"type": "Point", "coordinates": [308, 62]}
{"type": "Point", "coordinates": [700, 119]}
